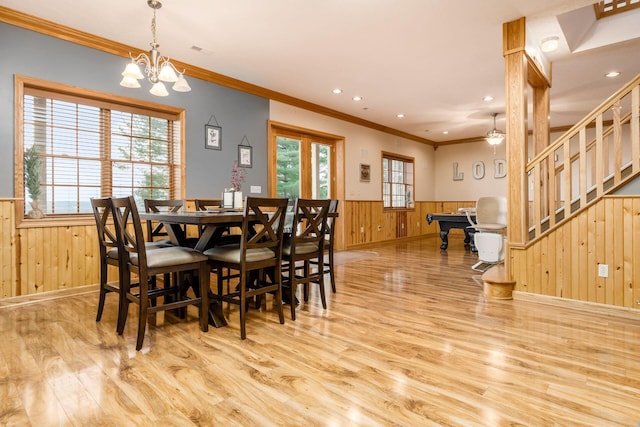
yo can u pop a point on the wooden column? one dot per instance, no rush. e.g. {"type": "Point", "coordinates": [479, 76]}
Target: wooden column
{"type": "Point", "coordinates": [516, 116]}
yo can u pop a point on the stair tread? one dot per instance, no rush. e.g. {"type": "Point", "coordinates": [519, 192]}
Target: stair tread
{"type": "Point", "coordinates": [497, 274]}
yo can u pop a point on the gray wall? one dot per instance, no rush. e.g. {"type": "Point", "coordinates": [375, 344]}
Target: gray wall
{"type": "Point", "coordinates": [208, 171]}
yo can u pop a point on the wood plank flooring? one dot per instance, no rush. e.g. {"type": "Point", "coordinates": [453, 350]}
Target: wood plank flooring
{"type": "Point", "coordinates": [408, 340]}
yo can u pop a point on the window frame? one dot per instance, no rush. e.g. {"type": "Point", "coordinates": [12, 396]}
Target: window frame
{"type": "Point", "coordinates": [93, 98]}
{"type": "Point", "coordinates": [387, 156]}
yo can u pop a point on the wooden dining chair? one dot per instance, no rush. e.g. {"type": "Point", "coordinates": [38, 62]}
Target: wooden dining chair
{"type": "Point", "coordinates": [135, 259]}
{"type": "Point", "coordinates": [305, 244]}
{"type": "Point", "coordinates": [207, 204]}
{"type": "Point", "coordinates": [156, 230]}
{"type": "Point", "coordinates": [110, 248]}
{"type": "Point", "coordinates": [329, 238]}
{"type": "Point", "coordinates": [257, 255]}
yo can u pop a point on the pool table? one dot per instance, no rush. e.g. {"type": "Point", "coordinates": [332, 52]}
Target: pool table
{"type": "Point", "coordinates": [447, 221]}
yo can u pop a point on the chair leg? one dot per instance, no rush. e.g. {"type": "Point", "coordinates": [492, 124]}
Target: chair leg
{"type": "Point", "coordinates": [103, 291]}
{"type": "Point", "coordinates": [278, 295]}
{"type": "Point", "coordinates": [143, 311]}
{"type": "Point", "coordinates": [243, 305]}
{"type": "Point", "coordinates": [331, 275]}
{"type": "Point", "coordinates": [307, 274]}
{"type": "Point", "coordinates": [323, 296]}
{"type": "Point", "coordinates": [123, 300]}
{"type": "Point", "coordinates": [204, 277]}
{"type": "Point", "coordinates": [292, 289]}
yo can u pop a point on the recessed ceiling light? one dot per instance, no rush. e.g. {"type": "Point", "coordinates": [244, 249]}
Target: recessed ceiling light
{"type": "Point", "coordinates": [612, 74]}
{"type": "Point", "coordinates": [549, 44]}
{"type": "Point", "coordinates": [488, 98]}
{"type": "Point", "coordinates": [400, 116]}
{"type": "Point", "coordinates": [446, 132]}
{"type": "Point", "coordinates": [357, 98]}
{"type": "Point", "coordinates": [337, 91]}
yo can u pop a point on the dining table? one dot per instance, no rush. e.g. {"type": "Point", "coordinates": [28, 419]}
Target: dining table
{"type": "Point", "coordinates": [211, 225]}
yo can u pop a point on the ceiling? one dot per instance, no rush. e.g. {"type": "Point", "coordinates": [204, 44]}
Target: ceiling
{"type": "Point", "coordinates": [432, 61]}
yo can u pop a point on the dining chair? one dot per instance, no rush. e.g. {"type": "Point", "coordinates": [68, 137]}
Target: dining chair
{"type": "Point", "coordinates": [206, 204]}
{"type": "Point", "coordinates": [157, 230]}
{"type": "Point", "coordinates": [223, 235]}
{"type": "Point", "coordinates": [135, 259]}
{"type": "Point", "coordinates": [110, 248]}
{"type": "Point", "coordinates": [258, 255]}
{"type": "Point", "coordinates": [329, 238]}
{"type": "Point", "coordinates": [303, 245]}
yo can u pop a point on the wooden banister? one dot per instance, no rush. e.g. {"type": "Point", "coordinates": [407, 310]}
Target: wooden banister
{"type": "Point", "coordinates": [611, 156]}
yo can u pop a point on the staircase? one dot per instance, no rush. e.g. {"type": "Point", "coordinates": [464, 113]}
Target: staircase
{"type": "Point", "coordinates": [594, 158]}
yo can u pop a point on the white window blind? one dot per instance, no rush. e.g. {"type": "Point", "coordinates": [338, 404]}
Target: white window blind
{"type": "Point", "coordinates": [91, 148]}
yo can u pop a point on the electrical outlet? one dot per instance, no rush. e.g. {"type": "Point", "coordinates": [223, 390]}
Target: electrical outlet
{"type": "Point", "coordinates": [603, 270]}
{"type": "Point", "coordinates": [256, 189]}
{"type": "Point", "coordinates": [362, 229]}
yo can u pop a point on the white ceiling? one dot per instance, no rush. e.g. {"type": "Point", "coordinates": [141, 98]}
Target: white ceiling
{"type": "Point", "coordinates": [431, 60]}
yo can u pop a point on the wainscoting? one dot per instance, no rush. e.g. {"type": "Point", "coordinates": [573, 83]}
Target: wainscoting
{"type": "Point", "coordinates": [52, 255]}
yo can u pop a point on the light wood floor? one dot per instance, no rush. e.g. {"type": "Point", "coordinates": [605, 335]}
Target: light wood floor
{"type": "Point", "coordinates": [408, 340]}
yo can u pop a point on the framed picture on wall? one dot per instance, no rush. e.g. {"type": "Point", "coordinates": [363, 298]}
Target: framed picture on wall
{"type": "Point", "coordinates": [245, 156]}
{"type": "Point", "coordinates": [212, 137]}
{"type": "Point", "coordinates": [365, 173]}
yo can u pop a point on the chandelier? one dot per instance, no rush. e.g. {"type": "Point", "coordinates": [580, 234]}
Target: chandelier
{"type": "Point", "coordinates": [158, 68]}
{"type": "Point", "coordinates": [494, 136]}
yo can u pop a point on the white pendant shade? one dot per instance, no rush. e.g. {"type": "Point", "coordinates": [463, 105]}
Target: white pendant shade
{"type": "Point", "coordinates": [130, 82]}
{"type": "Point", "coordinates": [181, 84]}
{"type": "Point", "coordinates": [132, 70]}
{"type": "Point", "coordinates": [167, 74]}
{"type": "Point", "coordinates": [159, 89]}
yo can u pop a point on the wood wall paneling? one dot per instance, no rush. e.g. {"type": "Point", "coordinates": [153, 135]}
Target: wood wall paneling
{"type": "Point", "coordinates": [8, 270]}
{"type": "Point", "coordinates": [562, 264]}
{"type": "Point", "coordinates": [565, 262]}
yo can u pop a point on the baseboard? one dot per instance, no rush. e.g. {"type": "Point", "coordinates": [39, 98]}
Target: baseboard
{"type": "Point", "coordinates": [592, 307]}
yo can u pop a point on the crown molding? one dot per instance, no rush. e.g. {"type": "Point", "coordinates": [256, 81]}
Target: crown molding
{"type": "Point", "coordinates": [52, 29]}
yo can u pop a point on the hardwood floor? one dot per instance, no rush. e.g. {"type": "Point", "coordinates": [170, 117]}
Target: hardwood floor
{"type": "Point", "coordinates": [408, 340]}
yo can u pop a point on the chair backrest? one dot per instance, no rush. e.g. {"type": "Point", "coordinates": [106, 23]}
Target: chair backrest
{"type": "Point", "coordinates": [263, 224]}
{"type": "Point", "coordinates": [333, 208]}
{"type": "Point", "coordinates": [108, 232]}
{"type": "Point", "coordinates": [310, 224]}
{"type": "Point", "coordinates": [491, 210]}
{"type": "Point", "coordinates": [128, 222]}
{"type": "Point", "coordinates": [206, 204]}
{"type": "Point", "coordinates": [156, 205]}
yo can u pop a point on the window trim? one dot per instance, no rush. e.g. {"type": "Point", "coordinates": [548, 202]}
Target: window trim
{"type": "Point", "coordinates": [94, 98]}
{"type": "Point", "coordinates": [407, 159]}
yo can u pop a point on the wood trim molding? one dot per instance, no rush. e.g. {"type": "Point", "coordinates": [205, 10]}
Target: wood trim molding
{"type": "Point", "coordinates": [72, 35]}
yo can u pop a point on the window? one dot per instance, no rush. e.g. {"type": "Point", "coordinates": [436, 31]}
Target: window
{"type": "Point", "coordinates": [92, 146]}
{"type": "Point", "coordinates": [397, 181]}
{"type": "Point", "coordinates": [304, 165]}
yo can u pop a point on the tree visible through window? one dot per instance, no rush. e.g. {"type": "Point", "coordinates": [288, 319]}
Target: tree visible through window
{"type": "Point", "coordinates": [94, 148]}
{"type": "Point", "coordinates": [397, 181]}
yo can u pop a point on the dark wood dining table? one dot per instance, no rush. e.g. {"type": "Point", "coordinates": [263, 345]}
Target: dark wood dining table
{"type": "Point", "coordinates": [211, 224]}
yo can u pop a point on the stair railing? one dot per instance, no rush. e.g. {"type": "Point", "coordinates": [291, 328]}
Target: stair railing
{"type": "Point", "coordinates": [597, 155]}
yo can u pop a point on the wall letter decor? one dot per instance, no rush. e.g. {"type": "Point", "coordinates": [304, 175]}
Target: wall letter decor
{"type": "Point", "coordinates": [457, 176]}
